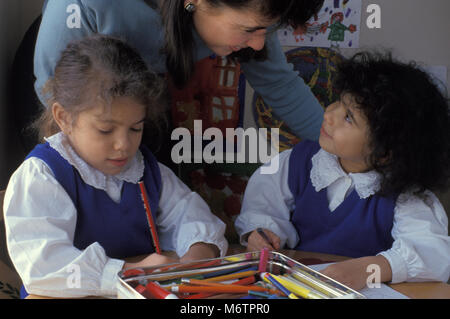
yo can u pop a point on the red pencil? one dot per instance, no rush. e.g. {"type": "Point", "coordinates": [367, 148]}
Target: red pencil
{"type": "Point", "coordinates": [223, 289]}
{"type": "Point", "coordinates": [151, 222]}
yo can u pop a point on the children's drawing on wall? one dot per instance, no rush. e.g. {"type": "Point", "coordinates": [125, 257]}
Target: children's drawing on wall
{"type": "Point", "coordinates": [336, 25]}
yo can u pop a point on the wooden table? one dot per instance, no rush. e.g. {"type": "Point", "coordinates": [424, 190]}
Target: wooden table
{"type": "Point", "coordinates": [423, 290]}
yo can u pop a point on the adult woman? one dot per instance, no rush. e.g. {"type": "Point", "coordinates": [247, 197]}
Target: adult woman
{"type": "Point", "coordinates": [172, 34]}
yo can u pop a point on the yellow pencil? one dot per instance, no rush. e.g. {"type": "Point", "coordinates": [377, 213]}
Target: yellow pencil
{"type": "Point", "coordinates": [269, 278]}
{"type": "Point", "coordinates": [297, 289]}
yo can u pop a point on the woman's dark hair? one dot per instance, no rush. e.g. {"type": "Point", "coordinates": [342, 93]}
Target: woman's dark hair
{"type": "Point", "coordinates": [178, 24]}
{"type": "Point", "coordinates": [96, 70]}
{"type": "Point", "coordinates": [408, 118]}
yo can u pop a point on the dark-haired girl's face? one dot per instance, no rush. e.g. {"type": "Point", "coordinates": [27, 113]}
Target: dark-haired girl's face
{"type": "Point", "coordinates": [108, 138]}
{"type": "Point", "coordinates": [226, 30]}
{"type": "Point", "coordinates": [345, 133]}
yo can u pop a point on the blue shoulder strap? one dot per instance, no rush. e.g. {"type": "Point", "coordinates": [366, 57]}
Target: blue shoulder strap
{"type": "Point", "coordinates": [63, 171]}
{"type": "Point", "coordinates": [300, 165]}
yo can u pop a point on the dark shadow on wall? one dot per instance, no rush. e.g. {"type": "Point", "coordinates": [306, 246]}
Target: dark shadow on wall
{"type": "Point", "coordinates": [23, 105]}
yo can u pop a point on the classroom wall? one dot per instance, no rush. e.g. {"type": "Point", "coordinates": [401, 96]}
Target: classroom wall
{"type": "Point", "coordinates": [15, 17]}
{"type": "Point", "coordinates": [412, 29]}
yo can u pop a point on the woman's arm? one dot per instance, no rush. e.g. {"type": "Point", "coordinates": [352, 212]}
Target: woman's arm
{"type": "Point", "coordinates": [64, 21]}
{"type": "Point", "coordinates": [59, 26]}
{"type": "Point", "coordinates": [286, 92]}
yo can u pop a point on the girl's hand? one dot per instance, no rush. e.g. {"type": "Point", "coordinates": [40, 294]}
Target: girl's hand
{"type": "Point", "coordinates": [151, 260]}
{"type": "Point", "coordinates": [353, 273]}
{"type": "Point", "coordinates": [200, 251]}
{"type": "Point", "coordinates": [256, 242]}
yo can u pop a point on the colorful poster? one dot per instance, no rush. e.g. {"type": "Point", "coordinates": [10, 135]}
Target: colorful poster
{"type": "Point", "coordinates": [337, 25]}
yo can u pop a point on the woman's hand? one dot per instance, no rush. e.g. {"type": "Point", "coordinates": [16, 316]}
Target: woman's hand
{"type": "Point", "coordinates": [353, 273]}
{"type": "Point", "coordinates": [256, 242]}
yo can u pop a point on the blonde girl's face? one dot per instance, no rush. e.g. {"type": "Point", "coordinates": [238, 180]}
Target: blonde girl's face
{"type": "Point", "coordinates": [226, 30]}
{"type": "Point", "coordinates": [345, 133]}
{"type": "Point", "coordinates": [108, 138]}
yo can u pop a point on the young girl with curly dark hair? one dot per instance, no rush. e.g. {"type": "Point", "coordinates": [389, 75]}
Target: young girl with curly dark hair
{"type": "Point", "coordinates": [365, 190]}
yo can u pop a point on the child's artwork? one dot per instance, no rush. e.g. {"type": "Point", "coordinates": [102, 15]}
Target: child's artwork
{"type": "Point", "coordinates": [336, 25]}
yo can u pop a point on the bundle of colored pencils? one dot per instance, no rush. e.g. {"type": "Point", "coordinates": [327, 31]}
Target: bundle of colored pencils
{"type": "Point", "coordinates": [238, 281]}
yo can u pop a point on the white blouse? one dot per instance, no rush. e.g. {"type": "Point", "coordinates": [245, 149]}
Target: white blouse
{"type": "Point", "coordinates": [40, 221]}
{"type": "Point", "coordinates": [421, 248]}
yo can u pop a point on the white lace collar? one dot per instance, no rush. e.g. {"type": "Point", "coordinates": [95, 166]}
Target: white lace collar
{"type": "Point", "coordinates": [132, 173]}
{"type": "Point", "coordinates": [326, 169]}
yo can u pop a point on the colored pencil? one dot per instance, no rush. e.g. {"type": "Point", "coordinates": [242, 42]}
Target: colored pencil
{"type": "Point", "coordinates": [241, 274]}
{"type": "Point", "coordinates": [196, 282]}
{"type": "Point", "coordinates": [234, 289]}
{"type": "Point", "coordinates": [227, 271]}
{"type": "Point", "coordinates": [244, 281]}
{"type": "Point", "coordinates": [297, 289]}
{"type": "Point", "coordinates": [263, 259]}
{"type": "Point", "coordinates": [265, 295]}
{"type": "Point", "coordinates": [319, 285]}
{"type": "Point", "coordinates": [150, 220]}
{"type": "Point", "coordinates": [264, 235]}
{"type": "Point", "coordinates": [158, 292]}
{"type": "Point", "coordinates": [268, 278]}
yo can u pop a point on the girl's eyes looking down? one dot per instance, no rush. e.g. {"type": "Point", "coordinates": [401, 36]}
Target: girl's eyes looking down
{"type": "Point", "coordinates": [134, 129]}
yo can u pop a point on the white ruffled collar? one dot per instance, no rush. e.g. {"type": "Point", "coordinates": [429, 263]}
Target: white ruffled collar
{"type": "Point", "coordinates": [132, 173]}
{"type": "Point", "coordinates": [326, 169]}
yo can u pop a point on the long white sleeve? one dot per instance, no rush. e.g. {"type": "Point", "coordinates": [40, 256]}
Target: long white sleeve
{"type": "Point", "coordinates": [421, 249]}
{"type": "Point", "coordinates": [267, 203]}
{"type": "Point", "coordinates": [40, 221]}
{"type": "Point", "coordinates": [185, 218]}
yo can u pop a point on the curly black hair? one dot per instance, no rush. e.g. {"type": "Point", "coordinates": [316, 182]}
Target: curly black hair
{"type": "Point", "coordinates": [408, 118]}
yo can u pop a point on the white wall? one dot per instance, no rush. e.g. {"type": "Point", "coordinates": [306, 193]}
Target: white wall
{"type": "Point", "coordinates": [15, 18]}
{"type": "Point", "coordinates": [414, 30]}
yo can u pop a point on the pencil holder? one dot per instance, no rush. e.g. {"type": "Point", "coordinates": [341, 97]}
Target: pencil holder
{"type": "Point", "coordinates": [235, 276]}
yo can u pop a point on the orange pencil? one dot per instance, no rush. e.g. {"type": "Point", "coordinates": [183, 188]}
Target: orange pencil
{"type": "Point", "coordinates": [202, 282]}
{"type": "Point", "coordinates": [241, 274]}
{"type": "Point", "coordinates": [244, 281]}
{"type": "Point", "coordinates": [151, 222]}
